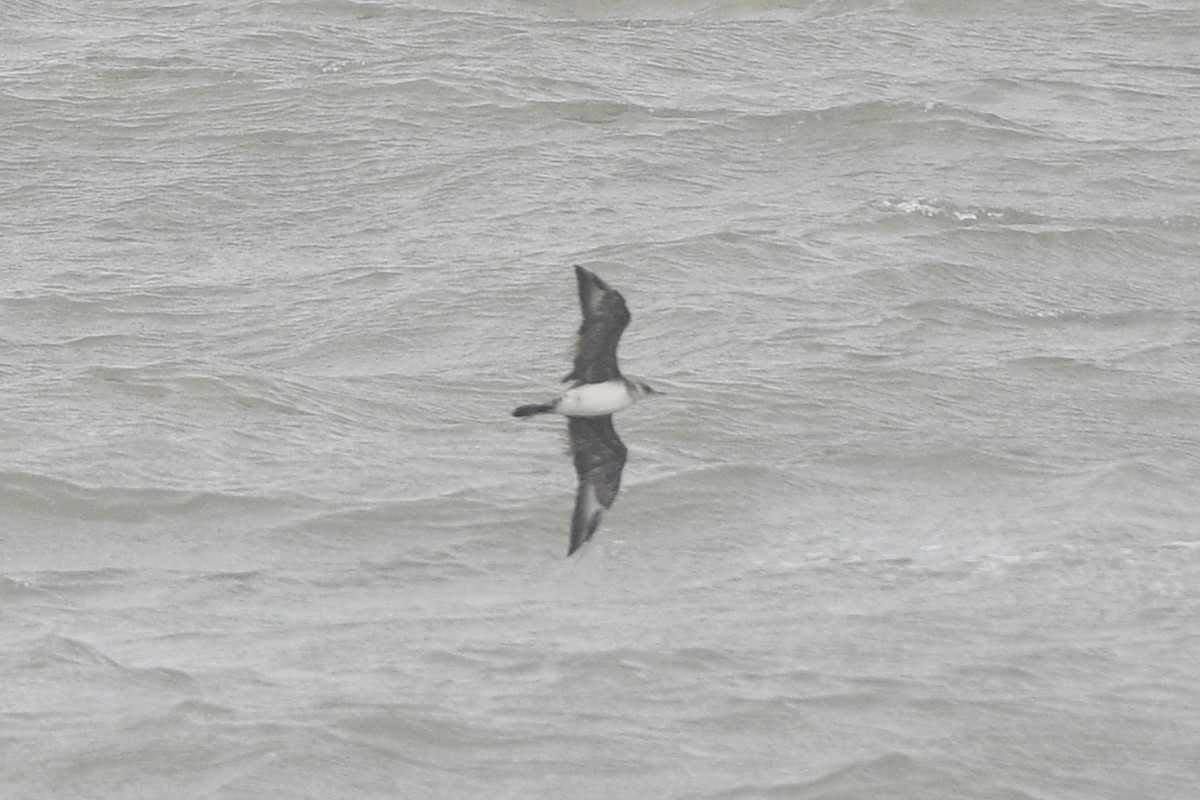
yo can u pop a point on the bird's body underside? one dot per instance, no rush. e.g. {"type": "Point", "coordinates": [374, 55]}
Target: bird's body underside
{"type": "Point", "coordinates": [587, 400]}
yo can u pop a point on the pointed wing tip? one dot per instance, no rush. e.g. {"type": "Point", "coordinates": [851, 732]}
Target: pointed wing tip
{"type": "Point", "coordinates": [580, 535]}
{"type": "Point", "coordinates": [588, 279]}
{"type": "Point", "coordinates": [584, 521]}
{"type": "Point", "coordinates": [579, 541]}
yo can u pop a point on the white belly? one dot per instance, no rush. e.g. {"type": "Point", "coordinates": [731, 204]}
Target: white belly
{"type": "Point", "coordinates": [595, 399]}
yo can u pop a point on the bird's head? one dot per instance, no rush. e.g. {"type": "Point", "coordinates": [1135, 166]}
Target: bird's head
{"type": "Point", "coordinates": [644, 389]}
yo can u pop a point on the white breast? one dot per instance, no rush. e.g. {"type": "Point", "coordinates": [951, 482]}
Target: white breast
{"type": "Point", "coordinates": [595, 399]}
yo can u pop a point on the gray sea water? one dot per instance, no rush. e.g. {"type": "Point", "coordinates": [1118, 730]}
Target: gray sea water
{"type": "Point", "coordinates": [917, 518]}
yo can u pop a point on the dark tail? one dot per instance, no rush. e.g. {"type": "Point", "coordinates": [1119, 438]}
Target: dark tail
{"type": "Point", "coordinates": [536, 408]}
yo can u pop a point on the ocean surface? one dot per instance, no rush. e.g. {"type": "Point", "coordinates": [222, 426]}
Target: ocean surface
{"type": "Point", "coordinates": [918, 517]}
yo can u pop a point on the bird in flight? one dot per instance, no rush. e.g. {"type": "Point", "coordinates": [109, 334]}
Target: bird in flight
{"type": "Point", "coordinates": [598, 390]}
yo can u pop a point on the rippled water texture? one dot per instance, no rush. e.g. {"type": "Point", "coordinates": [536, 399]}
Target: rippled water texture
{"type": "Point", "coordinates": [915, 519]}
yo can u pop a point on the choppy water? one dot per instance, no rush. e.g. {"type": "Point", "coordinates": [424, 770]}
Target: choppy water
{"type": "Point", "coordinates": [917, 518]}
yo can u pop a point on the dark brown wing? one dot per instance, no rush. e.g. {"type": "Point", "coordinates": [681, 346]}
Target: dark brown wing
{"type": "Point", "coordinates": [604, 319]}
{"type": "Point", "coordinates": [599, 458]}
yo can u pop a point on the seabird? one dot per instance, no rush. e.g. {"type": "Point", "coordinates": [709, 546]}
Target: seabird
{"type": "Point", "coordinates": [598, 390]}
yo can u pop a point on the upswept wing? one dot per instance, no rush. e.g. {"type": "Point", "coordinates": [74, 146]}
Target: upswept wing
{"type": "Point", "coordinates": [604, 319]}
{"type": "Point", "coordinates": [599, 458]}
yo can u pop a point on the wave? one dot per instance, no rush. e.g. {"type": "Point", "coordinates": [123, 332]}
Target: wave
{"type": "Point", "coordinates": [869, 776]}
{"type": "Point", "coordinates": [53, 653]}
{"type": "Point", "coordinates": [24, 493]}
